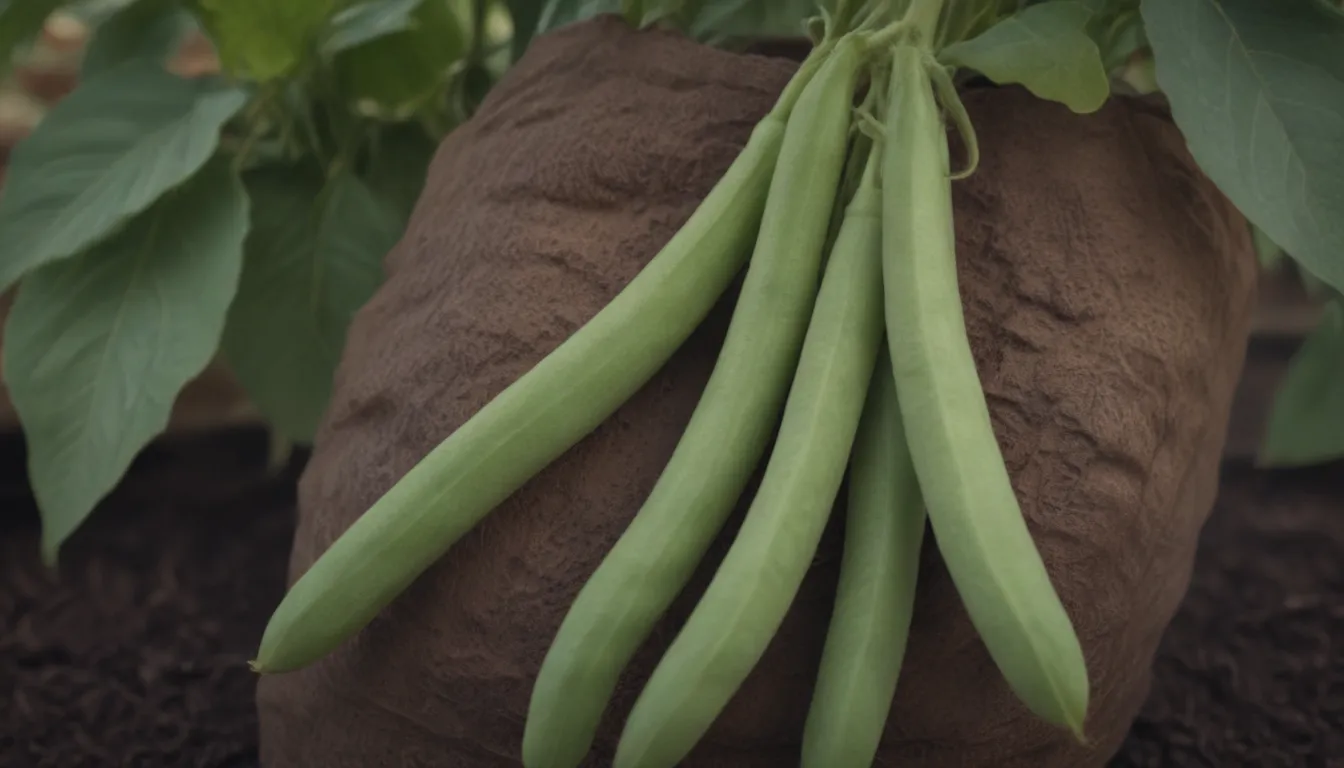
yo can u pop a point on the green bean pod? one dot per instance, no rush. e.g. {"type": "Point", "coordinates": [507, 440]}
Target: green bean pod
{"type": "Point", "coordinates": [711, 466]}
{"type": "Point", "coordinates": [865, 644]}
{"type": "Point", "coordinates": [974, 514]}
{"type": "Point", "coordinates": [754, 586]}
{"type": "Point", "coordinates": [538, 417]}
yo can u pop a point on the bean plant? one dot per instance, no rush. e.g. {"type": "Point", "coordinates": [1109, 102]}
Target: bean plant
{"type": "Point", "coordinates": [154, 223]}
{"type": "Point", "coordinates": [326, 114]}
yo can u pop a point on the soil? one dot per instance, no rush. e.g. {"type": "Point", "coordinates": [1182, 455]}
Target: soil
{"type": "Point", "coordinates": [136, 657]}
{"type": "Point", "coordinates": [1250, 672]}
{"type": "Point", "coordinates": [133, 653]}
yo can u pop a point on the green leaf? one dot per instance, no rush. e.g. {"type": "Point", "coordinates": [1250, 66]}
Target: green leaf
{"type": "Point", "coordinates": [20, 22]}
{"type": "Point", "coordinates": [1257, 89]}
{"type": "Point", "coordinates": [1267, 251]}
{"type": "Point", "coordinates": [966, 20]}
{"type": "Point", "coordinates": [709, 22]}
{"type": "Point", "coordinates": [369, 21]}
{"type": "Point", "coordinates": [398, 167]}
{"type": "Point", "coordinates": [1335, 7]}
{"type": "Point", "coordinates": [98, 347]}
{"type": "Point", "coordinates": [1123, 39]}
{"type": "Point", "coordinates": [559, 13]}
{"type": "Point", "coordinates": [643, 14]}
{"type": "Point", "coordinates": [265, 39]}
{"type": "Point", "coordinates": [1045, 48]}
{"type": "Point", "coordinates": [395, 76]}
{"type": "Point", "coordinates": [314, 257]}
{"type": "Point", "coordinates": [1117, 28]}
{"type": "Point", "coordinates": [723, 20]}
{"type": "Point", "coordinates": [525, 14]}
{"type": "Point", "coordinates": [1306, 424]}
{"type": "Point", "coordinates": [150, 30]}
{"type": "Point", "coordinates": [103, 154]}
{"type": "Point", "coordinates": [1317, 290]}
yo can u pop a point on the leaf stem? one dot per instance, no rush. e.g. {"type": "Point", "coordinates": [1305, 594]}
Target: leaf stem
{"type": "Point", "coordinates": [923, 17]}
{"type": "Point", "coordinates": [257, 121]}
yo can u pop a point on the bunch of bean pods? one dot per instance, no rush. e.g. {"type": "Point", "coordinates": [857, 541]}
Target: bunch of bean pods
{"type": "Point", "coordinates": [848, 339]}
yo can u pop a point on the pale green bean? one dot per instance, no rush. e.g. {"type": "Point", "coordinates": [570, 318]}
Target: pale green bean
{"type": "Point", "coordinates": [865, 644]}
{"type": "Point", "coordinates": [972, 509]}
{"type": "Point", "coordinates": [754, 586]}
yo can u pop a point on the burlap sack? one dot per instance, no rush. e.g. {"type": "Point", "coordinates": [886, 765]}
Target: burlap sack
{"type": "Point", "coordinates": [1108, 289]}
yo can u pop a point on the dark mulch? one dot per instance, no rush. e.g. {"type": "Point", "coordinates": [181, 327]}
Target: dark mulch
{"type": "Point", "coordinates": [135, 653]}
{"type": "Point", "coordinates": [136, 656]}
{"type": "Point", "coordinates": [1251, 671]}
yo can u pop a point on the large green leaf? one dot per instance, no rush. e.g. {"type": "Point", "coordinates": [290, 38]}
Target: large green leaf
{"type": "Point", "coordinates": [98, 347]}
{"type": "Point", "coordinates": [524, 14]}
{"type": "Point", "coordinates": [20, 22]}
{"type": "Point", "coordinates": [710, 21]}
{"type": "Point", "coordinates": [965, 20]}
{"type": "Point", "coordinates": [150, 30]}
{"type": "Point", "coordinates": [1047, 49]}
{"type": "Point", "coordinates": [397, 167]}
{"type": "Point", "coordinates": [369, 21]}
{"type": "Point", "coordinates": [646, 13]}
{"type": "Point", "coordinates": [722, 20]}
{"type": "Point", "coordinates": [314, 257]}
{"type": "Point", "coordinates": [394, 76]}
{"type": "Point", "coordinates": [1269, 254]}
{"type": "Point", "coordinates": [103, 154]}
{"type": "Point", "coordinates": [1117, 29]}
{"type": "Point", "coordinates": [558, 13]}
{"type": "Point", "coordinates": [265, 39]}
{"type": "Point", "coordinates": [1306, 425]}
{"type": "Point", "coordinates": [1335, 7]}
{"type": "Point", "coordinates": [1257, 88]}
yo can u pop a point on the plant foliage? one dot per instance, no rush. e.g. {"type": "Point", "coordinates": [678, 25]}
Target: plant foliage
{"type": "Point", "coordinates": [156, 222]}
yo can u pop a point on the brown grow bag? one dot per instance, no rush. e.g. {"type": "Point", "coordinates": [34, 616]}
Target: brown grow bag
{"type": "Point", "coordinates": [1108, 290]}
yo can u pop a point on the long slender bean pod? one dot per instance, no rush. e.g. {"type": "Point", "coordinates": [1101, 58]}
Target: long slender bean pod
{"type": "Point", "coordinates": [756, 582]}
{"type": "Point", "coordinates": [723, 443]}
{"type": "Point", "coordinates": [974, 514]}
{"type": "Point", "coordinates": [538, 417]}
{"type": "Point", "coordinates": [869, 627]}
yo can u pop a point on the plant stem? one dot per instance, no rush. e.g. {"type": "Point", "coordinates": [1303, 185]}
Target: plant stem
{"type": "Point", "coordinates": [923, 17]}
{"type": "Point", "coordinates": [844, 14]}
{"type": "Point", "coordinates": [480, 9]}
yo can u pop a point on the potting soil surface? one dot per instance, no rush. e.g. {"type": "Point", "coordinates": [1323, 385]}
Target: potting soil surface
{"type": "Point", "coordinates": [134, 655]}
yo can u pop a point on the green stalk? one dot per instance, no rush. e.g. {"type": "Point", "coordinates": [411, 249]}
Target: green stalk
{"type": "Point", "coordinates": [923, 16]}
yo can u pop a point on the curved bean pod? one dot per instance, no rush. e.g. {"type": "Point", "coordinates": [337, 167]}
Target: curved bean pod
{"type": "Point", "coordinates": [754, 586]}
{"type": "Point", "coordinates": [538, 417]}
{"type": "Point", "coordinates": [865, 645]}
{"type": "Point", "coordinates": [972, 509]}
